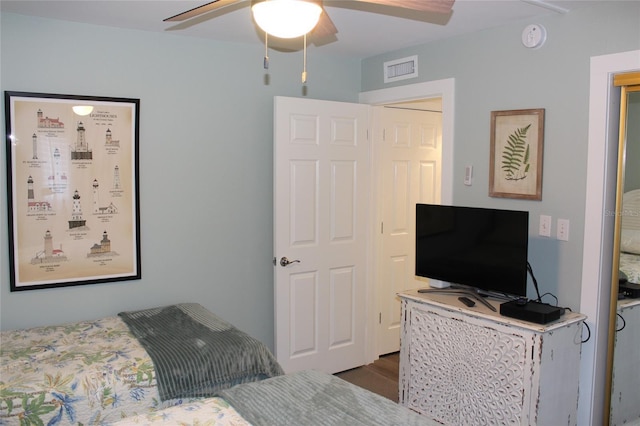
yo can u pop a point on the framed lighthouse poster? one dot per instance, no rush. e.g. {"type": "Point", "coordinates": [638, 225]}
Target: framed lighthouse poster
{"type": "Point", "coordinates": [73, 189]}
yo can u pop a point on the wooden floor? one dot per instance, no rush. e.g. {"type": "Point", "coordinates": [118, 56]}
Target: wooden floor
{"type": "Point", "coordinates": [380, 377]}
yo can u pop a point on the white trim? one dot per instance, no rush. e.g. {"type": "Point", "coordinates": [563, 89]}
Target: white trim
{"type": "Point", "coordinates": [443, 89]}
{"type": "Point", "coordinates": [596, 261]}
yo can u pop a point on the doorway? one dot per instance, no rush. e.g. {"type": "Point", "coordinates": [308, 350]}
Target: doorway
{"type": "Point", "coordinates": [444, 90]}
{"type": "Point", "coordinates": [369, 298]}
{"type": "Point", "coordinates": [407, 137]}
{"type": "Point", "coordinates": [598, 233]}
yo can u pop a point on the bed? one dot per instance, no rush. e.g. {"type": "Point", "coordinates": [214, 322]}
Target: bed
{"type": "Point", "coordinates": [309, 398]}
{"type": "Point", "coordinates": [174, 365]}
{"type": "Point", "coordinates": [97, 372]}
{"type": "Point", "coordinates": [630, 236]}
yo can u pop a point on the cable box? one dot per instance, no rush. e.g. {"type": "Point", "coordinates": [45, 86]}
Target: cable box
{"type": "Point", "coordinates": [629, 290]}
{"type": "Point", "coordinates": [540, 313]}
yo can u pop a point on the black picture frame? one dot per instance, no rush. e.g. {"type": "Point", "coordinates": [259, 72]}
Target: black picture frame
{"type": "Point", "coordinates": [73, 189]}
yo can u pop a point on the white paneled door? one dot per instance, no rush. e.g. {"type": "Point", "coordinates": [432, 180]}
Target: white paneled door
{"type": "Point", "coordinates": [321, 190]}
{"type": "Point", "coordinates": [410, 167]}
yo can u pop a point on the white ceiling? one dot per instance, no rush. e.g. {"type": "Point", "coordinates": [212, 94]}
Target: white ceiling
{"type": "Point", "coordinates": [363, 29]}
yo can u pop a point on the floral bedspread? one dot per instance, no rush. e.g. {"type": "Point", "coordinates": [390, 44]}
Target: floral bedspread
{"type": "Point", "coordinates": [204, 412]}
{"type": "Point", "coordinates": [630, 265]}
{"type": "Point", "coordinates": [90, 373]}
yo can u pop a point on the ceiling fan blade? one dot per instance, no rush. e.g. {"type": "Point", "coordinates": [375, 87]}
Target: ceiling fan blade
{"type": "Point", "coordinates": [196, 11]}
{"type": "Point", "coordinates": [325, 26]}
{"type": "Point", "coordinates": [434, 6]}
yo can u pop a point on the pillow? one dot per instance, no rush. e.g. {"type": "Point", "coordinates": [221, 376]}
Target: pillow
{"type": "Point", "coordinates": [631, 210]}
{"type": "Point", "coordinates": [630, 241]}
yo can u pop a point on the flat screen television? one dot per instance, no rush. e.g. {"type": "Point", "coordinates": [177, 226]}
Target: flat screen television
{"type": "Point", "coordinates": [482, 248]}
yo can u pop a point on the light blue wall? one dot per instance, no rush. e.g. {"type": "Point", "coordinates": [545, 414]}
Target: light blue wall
{"type": "Point", "coordinates": [493, 71]}
{"type": "Point", "coordinates": [205, 162]}
{"type": "Point", "coordinates": [206, 154]}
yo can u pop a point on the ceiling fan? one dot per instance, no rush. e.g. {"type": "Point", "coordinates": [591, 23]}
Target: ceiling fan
{"type": "Point", "coordinates": [295, 18]}
{"type": "Point", "coordinates": [324, 27]}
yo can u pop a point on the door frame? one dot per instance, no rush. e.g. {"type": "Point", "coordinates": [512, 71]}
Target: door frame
{"type": "Point", "coordinates": [598, 231]}
{"type": "Point", "coordinates": [444, 89]}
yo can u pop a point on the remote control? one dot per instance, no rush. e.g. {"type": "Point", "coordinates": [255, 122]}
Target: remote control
{"type": "Point", "coordinates": [466, 301]}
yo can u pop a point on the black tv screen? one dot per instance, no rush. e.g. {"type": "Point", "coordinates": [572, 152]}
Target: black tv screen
{"type": "Point", "coordinates": [477, 247]}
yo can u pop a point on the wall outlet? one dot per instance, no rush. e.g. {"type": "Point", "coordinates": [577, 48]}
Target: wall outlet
{"type": "Point", "coordinates": [545, 226]}
{"type": "Point", "coordinates": [562, 233]}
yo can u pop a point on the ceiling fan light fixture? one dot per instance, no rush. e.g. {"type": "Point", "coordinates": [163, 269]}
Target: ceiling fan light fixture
{"type": "Point", "coordinates": [286, 18]}
{"type": "Point", "coordinates": [82, 109]}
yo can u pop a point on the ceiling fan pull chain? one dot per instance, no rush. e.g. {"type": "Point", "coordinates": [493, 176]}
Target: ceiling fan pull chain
{"type": "Point", "coordinates": [304, 60]}
{"type": "Point", "coordinates": [266, 50]}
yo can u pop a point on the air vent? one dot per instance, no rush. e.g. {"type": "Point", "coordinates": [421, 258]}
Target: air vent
{"type": "Point", "coordinates": [401, 69]}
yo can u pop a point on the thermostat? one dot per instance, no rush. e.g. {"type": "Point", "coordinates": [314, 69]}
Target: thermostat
{"type": "Point", "coordinates": [534, 36]}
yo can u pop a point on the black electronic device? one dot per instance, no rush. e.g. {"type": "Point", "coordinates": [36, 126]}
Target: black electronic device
{"type": "Point", "coordinates": [477, 247]}
{"type": "Point", "coordinates": [532, 311]}
{"type": "Point", "coordinates": [629, 290]}
{"type": "Point", "coordinates": [470, 303]}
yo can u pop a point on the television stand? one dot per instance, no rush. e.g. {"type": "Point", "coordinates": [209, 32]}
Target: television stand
{"type": "Point", "coordinates": [459, 291]}
{"type": "Point", "coordinates": [461, 366]}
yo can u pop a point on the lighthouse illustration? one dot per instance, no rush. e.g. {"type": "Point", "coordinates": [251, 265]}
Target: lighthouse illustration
{"type": "Point", "coordinates": [32, 204]}
{"type": "Point", "coordinates": [81, 150]}
{"type": "Point", "coordinates": [103, 248]}
{"type": "Point", "coordinates": [44, 122]}
{"type": "Point", "coordinates": [116, 178]}
{"type": "Point", "coordinates": [58, 177]}
{"type": "Point", "coordinates": [76, 213]}
{"type": "Point", "coordinates": [97, 208]}
{"type": "Point", "coordinates": [109, 141]}
{"type": "Point", "coordinates": [49, 254]}
{"type": "Point", "coordinates": [34, 146]}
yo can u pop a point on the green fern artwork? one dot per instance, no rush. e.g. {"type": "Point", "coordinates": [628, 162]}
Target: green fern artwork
{"type": "Point", "coordinates": [515, 155]}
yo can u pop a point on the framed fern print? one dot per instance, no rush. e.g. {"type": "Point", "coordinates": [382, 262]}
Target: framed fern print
{"type": "Point", "coordinates": [517, 139]}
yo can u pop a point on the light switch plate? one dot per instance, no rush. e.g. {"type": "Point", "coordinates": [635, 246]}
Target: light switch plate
{"type": "Point", "coordinates": [468, 175]}
{"type": "Point", "coordinates": [562, 232]}
{"type": "Point", "coordinates": [545, 226]}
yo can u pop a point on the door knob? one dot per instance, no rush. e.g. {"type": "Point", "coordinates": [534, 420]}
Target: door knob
{"type": "Point", "coordinates": [284, 261]}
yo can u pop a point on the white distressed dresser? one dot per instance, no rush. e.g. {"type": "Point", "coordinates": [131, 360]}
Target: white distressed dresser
{"type": "Point", "coordinates": [463, 366]}
{"type": "Point", "coordinates": [625, 402]}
